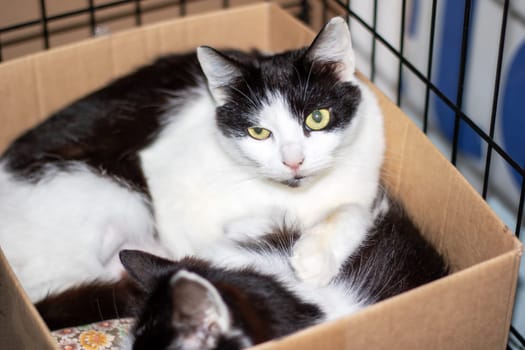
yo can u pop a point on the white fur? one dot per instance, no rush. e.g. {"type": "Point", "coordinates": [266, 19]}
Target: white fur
{"type": "Point", "coordinates": [69, 227]}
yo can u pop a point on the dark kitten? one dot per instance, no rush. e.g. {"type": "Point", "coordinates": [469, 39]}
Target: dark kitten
{"type": "Point", "coordinates": [193, 304]}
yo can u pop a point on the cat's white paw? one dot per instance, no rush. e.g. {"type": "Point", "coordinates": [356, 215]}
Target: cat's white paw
{"type": "Point", "coordinates": [312, 262]}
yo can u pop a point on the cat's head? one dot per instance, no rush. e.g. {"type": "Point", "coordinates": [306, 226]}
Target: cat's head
{"type": "Point", "coordinates": [287, 115]}
{"type": "Point", "coordinates": [182, 310]}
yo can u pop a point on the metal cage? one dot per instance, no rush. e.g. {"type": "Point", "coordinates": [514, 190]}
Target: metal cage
{"type": "Point", "coordinates": [455, 129]}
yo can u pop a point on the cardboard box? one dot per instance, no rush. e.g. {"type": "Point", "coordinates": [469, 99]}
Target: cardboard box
{"type": "Point", "coordinates": [470, 309]}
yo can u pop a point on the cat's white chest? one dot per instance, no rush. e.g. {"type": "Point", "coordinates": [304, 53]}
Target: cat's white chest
{"type": "Point", "coordinates": [196, 189]}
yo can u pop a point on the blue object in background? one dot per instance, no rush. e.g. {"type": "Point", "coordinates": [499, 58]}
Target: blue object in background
{"type": "Point", "coordinates": [449, 60]}
{"type": "Point", "coordinates": [513, 112]}
{"type": "Point", "coordinates": [414, 14]}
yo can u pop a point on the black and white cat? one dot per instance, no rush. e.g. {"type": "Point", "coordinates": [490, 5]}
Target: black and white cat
{"type": "Point", "coordinates": [249, 293]}
{"type": "Point", "coordinates": [192, 150]}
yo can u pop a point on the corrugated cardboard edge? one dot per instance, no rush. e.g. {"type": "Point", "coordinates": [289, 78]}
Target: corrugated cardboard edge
{"type": "Point", "coordinates": [20, 325]}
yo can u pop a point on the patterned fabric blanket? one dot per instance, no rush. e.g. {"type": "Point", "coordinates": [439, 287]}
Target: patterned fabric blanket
{"type": "Point", "coordinates": [106, 335]}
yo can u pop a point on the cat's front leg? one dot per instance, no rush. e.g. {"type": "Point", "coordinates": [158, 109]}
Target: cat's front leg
{"type": "Point", "coordinates": [322, 249]}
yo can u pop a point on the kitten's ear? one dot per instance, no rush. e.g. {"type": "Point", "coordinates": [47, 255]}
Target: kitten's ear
{"type": "Point", "coordinates": [220, 71]}
{"type": "Point", "coordinates": [143, 267]}
{"type": "Point", "coordinates": [334, 45]}
{"type": "Point", "coordinates": [197, 308]}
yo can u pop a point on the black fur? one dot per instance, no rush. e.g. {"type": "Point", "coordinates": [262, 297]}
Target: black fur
{"type": "Point", "coordinates": [394, 259]}
{"type": "Point", "coordinates": [106, 128]}
{"type": "Point", "coordinates": [92, 302]}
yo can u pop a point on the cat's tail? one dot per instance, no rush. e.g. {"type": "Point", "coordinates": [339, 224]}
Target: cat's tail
{"type": "Point", "coordinates": [90, 302]}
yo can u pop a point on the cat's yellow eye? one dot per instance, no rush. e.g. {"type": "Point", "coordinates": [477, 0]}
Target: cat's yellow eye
{"type": "Point", "coordinates": [318, 119]}
{"type": "Point", "coordinates": [259, 133]}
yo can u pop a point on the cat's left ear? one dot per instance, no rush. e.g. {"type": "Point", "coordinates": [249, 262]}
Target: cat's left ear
{"type": "Point", "coordinates": [197, 308]}
{"type": "Point", "coordinates": [334, 45]}
{"type": "Point", "coordinates": [220, 71]}
{"type": "Point", "coordinates": [143, 267]}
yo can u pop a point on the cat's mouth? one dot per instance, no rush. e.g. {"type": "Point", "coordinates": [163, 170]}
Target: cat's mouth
{"type": "Point", "coordinates": [294, 182]}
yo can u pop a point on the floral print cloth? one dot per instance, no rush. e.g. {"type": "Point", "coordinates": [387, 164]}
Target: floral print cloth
{"type": "Point", "coordinates": [105, 335]}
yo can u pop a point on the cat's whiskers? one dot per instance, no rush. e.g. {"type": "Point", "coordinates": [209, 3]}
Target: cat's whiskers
{"type": "Point", "coordinates": [246, 96]}
{"type": "Point", "coordinates": [307, 82]}
{"type": "Point", "coordinates": [246, 179]}
{"type": "Point", "coordinates": [248, 86]}
{"type": "Point", "coordinates": [99, 309]}
{"type": "Point", "coordinates": [388, 284]}
{"type": "Point", "coordinates": [114, 300]}
{"type": "Point", "coordinates": [300, 81]}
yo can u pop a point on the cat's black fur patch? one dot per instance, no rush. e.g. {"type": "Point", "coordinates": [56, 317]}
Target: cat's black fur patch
{"type": "Point", "coordinates": [319, 87]}
{"type": "Point", "coordinates": [280, 240]}
{"type": "Point", "coordinates": [106, 128]}
{"type": "Point", "coordinates": [91, 302]}
{"type": "Point", "coordinates": [394, 259]}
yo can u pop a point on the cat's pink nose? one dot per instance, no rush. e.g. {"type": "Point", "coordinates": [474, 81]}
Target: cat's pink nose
{"type": "Point", "coordinates": [294, 165]}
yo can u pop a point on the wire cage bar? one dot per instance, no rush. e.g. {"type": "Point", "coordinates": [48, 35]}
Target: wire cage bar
{"type": "Point", "coordinates": [461, 82]}
{"type": "Point", "coordinates": [92, 15]}
{"type": "Point", "coordinates": [495, 99]}
{"type": "Point", "coordinates": [429, 64]}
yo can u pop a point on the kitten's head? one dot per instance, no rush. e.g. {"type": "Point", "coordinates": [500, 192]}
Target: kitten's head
{"type": "Point", "coordinates": [182, 310]}
{"type": "Point", "coordinates": [287, 115]}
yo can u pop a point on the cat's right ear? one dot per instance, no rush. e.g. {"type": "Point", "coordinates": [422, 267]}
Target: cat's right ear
{"type": "Point", "coordinates": [220, 71]}
{"type": "Point", "coordinates": [333, 44]}
{"type": "Point", "coordinates": [143, 267]}
{"type": "Point", "coordinates": [199, 313]}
